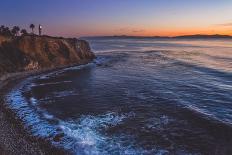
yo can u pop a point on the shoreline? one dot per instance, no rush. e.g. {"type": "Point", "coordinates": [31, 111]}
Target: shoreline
{"type": "Point", "coordinates": [14, 137]}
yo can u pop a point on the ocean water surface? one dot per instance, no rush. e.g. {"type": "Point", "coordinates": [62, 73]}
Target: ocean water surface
{"type": "Point", "coordinates": [139, 96]}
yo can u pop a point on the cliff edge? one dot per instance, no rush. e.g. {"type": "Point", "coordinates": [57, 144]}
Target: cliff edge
{"type": "Point", "coordinates": [33, 52]}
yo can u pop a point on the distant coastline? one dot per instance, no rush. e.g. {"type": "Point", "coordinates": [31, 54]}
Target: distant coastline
{"type": "Point", "coordinates": [197, 36]}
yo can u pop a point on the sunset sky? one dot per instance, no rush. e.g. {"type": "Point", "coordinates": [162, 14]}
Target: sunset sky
{"type": "Point", "coordinates": [75, 18]}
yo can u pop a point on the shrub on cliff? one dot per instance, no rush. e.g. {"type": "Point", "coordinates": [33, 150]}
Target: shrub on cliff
{"type": "Point", "coordinates": [15, 30]}
{"type": "Point", "coordinates": [24, 32]}
{"type": "Point", "coordinates": [32, 26]}
{"type": "Point", "coordinates": [5, 31]}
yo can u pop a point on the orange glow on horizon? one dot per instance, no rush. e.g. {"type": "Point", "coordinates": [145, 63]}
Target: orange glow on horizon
{"type": "Point", "coordinates": [183, 31]}
{"type": "Point", "coordinates": [152, 32]}
{"type": "Point", "coordinates": [109, 30]}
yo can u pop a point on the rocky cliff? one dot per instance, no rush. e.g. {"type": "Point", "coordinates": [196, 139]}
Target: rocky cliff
{"type": "Point", "coordinates": [41, 52]}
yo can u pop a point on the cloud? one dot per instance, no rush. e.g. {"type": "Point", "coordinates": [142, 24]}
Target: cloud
{"type": "Point", "coordinates": [128, 29]}
{"type": "Point", "coordinates": [123, 29]}
{"type": "Point", "coordinates": [138, 31]}
{"type": "Point", "coordinates": [225, 24]}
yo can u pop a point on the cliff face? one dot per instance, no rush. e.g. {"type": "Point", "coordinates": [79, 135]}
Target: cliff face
{"type": "Point", "coordinates": [4, 38]}
{"type": "Point", "coordinates": [35, 52]}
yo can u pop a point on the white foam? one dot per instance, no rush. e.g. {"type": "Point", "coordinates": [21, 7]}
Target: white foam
{"type": "Point", "coordinates": [159, 122]}
{"type": "Point", "coordinates": [33, 101]}
{"type": "Point", "coordinates": [51, 83]}
{"type": "Point", "coordinates": [48, 116]}
{"type": "Point", "coordinates": [64, 94]}
{"type": "Point", "coordinates": [88, 135]}
{"type": "Point", "coordinates": [87, 131]}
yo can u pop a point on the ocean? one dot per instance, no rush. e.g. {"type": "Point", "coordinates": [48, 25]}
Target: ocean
{"type": "Point", "coordinates": [139, 96]}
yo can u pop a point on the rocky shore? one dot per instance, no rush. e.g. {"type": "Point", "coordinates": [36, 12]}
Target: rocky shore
{"type": "Point", "coordinates": [27, 56]}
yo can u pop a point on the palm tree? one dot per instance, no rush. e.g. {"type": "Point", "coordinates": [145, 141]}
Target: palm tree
{"type": "Point", "coordinates": [32, 26]}
{"type": "Point", "coordinates": [6, 31]}
{"type": "Point", "coordinates": [24, 32]}
{"type": "Point", "coordinates": [2, 28]}
{"type": "Point", "coordinates": [15, 30]}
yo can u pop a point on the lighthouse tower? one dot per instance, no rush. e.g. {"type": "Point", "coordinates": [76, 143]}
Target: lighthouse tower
{"type": "Point", "coordinates": [40, 30]}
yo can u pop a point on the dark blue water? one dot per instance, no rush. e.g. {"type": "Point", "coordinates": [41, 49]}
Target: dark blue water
{"type": "Point", "coordinates": [138, 97]}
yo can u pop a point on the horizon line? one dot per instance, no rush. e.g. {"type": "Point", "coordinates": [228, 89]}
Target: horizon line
{"type": "Point", "coordinates": [161, 36]}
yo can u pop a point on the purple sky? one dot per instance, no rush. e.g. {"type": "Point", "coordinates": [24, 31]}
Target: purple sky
{"type": "Point", "coordinates": [117, 17]}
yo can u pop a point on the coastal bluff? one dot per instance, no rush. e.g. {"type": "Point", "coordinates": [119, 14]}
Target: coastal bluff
{"type": "Point", "coordinates": [31, 52]}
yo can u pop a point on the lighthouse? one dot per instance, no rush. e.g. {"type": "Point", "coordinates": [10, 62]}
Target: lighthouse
{"type": "Point", "coordinates": [40, 30]}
